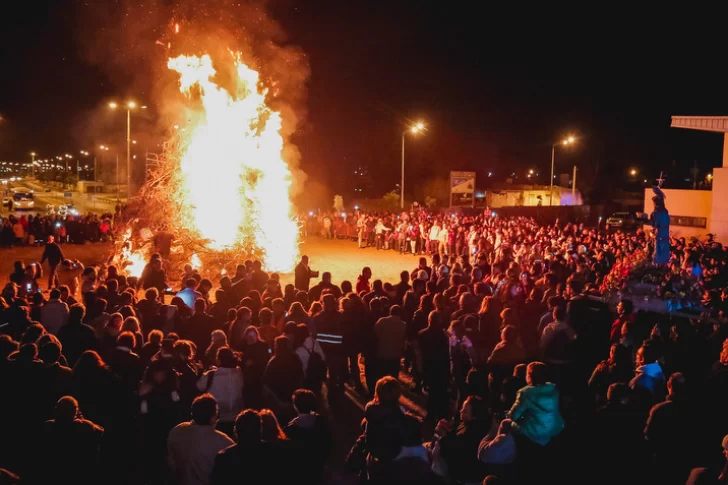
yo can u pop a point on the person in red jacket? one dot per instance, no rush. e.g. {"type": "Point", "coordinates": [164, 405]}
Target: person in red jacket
{"type": "Point", "coordinates": [362, 283]}
{"type": "Point", "coordinates": [624, 315]}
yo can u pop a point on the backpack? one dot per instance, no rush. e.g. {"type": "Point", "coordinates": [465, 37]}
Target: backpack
{"type": "Point", "coordinates": [316, 368]}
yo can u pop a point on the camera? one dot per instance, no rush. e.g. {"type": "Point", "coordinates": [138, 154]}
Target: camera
{"type": "Point", "coordinates": [314, 274]}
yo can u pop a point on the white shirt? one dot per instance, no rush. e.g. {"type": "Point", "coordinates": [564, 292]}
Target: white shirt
{"type": "Point", "coordinates": [434, 232]}
{"type": "Point", "coordinates": [443, 235]}
{"type": "Point", "coordinates": [191, 451]}
{"type": "Point", "coordinates": [227, 388]}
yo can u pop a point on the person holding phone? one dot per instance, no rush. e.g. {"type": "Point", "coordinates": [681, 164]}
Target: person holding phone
{"type": "Point", "coordinates": [29, 284]}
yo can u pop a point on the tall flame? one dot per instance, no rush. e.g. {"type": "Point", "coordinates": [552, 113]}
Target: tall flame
{"type": "Point", "coordinates": [132, 261]}
{"type": "Point", "coordinates": [235, 183]}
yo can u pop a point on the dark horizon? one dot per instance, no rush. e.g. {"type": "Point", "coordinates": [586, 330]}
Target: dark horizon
{"type": "Point", "coordinates": [494, 89]}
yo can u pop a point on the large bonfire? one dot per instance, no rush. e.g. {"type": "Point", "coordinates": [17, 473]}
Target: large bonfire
{"type": "Point", "coordinates": [222, 186]}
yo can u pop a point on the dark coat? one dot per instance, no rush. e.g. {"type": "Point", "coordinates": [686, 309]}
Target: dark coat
{"type": "Point", "coordinates": [435, 349]}
{"type": "Point", "coordinates": [77, 338]}
{"type": "Point", "coordinates": [128, 368]}
{"type": "Point", "coordinates": [460, 451]}
{"type": "Point", "coordinates": [312, 438]}
{"type": "Point", "coordinates": [283, 375]}
{"type": "Point", "coordinates": [239, 460]}
{"type": "Point", "coordinates": [70, 452]}
{"type": "Point", "coordinates": [198, 329]}
{"type": "Point", "coordinates": [52, 253]}
{"type": "Point", "coordinates": [303, 275]}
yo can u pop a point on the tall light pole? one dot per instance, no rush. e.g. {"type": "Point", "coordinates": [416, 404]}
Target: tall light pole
{"type": "Point", "coordinates": [414, 129]}
{"type": "Point", "coordinates": [103, 149]}
{"type": "Point", "coordinates": [32, 164]}
{"type": "Point", "coordinates": [130, 105]}
{"type": "Point", "coordinates": [565, 141]}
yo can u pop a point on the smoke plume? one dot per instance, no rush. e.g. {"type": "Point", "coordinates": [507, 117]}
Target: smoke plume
{"type": "Point", "coordinates": [132, 40]}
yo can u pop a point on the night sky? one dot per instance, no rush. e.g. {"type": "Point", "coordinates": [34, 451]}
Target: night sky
{"type": "Point", "coordinates": [495, 88]}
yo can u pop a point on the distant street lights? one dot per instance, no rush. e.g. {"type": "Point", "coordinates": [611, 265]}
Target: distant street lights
{"type": "Point", "coordinates": [566, 141]}
{"type": "Point", "coordinates": [414, 129]}
{"type": "Point", "coordinates": [130, 105]}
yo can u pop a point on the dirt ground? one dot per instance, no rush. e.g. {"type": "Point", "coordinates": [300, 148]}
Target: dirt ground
{"type": "Point", "coordinates": [342, 258]}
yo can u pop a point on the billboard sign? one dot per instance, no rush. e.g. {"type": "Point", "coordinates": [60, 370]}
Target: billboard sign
{"type": "Point", "coordinates": [462, 189]}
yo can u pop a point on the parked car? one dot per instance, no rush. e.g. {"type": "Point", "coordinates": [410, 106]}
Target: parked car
{"type": "Point", "coordinates": [623, 220]}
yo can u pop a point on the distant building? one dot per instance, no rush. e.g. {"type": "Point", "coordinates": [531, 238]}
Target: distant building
{"type": "Point", "coordinates": [689, 211]}
{"type": "Point", "coordinates": [698, 212]}
{"type": "Point", "coordinates": [530, 195]}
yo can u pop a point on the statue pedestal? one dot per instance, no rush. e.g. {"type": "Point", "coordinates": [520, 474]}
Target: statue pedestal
{"type": "Point", "coordinates": [719, 208]}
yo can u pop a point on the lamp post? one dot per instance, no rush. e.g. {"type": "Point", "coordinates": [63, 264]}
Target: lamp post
{"type": "Point", "coordinates": [129, 106]}
{"type": "Point", "coordinates": [32, 164]}
{"type": "Point", "coordinates": [565, 141]}
{"type": "Point", "coordinates": [414, 129]}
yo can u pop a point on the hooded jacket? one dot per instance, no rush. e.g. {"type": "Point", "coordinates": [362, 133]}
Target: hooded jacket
{"type": "Point", "coordinates": [650, 377]}
{"type": "Point", "coordinates": [536, 413]}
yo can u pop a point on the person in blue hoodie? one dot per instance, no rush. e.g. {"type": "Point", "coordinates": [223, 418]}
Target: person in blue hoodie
{"type": "Point", "coordinates": [648, 383]}
{"type": "Point", "coordinates": [535, 413]}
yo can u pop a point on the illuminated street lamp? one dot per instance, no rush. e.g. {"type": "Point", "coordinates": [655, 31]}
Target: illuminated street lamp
{"type": "Point", "coordinates": [130, 105]}
{"type": "Point", "coordinates": [633, 172]}
{"type": "Point", "coordinates": [418, 127]}
{"type": "Point", "coordinates": [566, 141]}
{"type": "Point", "coordinates": [32, 164]}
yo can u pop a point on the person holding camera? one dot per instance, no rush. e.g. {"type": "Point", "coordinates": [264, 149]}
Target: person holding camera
{"type": "Point", "coordinates": [68, 274]}
{"type": "Point", "coordinates": [304, 275]}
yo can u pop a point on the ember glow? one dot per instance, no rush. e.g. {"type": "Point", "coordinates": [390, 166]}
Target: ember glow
{"type": "Point", "coordinates": [132, 261]}
{"type": "Point", "coordinates": [234, 182]}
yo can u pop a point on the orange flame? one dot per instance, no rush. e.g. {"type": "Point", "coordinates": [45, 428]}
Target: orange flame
{"type": "Point", "coordinates": [195, 262]}
{"type": "Point", "coordinates": [133, 262]}
{"type": "Point", "coordinates": [235, 183]}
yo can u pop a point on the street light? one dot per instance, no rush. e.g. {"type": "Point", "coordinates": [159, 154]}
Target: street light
{"type": "Point", "coordinates": [32, 164]}
{"type": "Point", "coordinates": [414, 129]}
{"type": "Point", "coordinates": [130, 105]}
{"type": "Point", "coordinates": [566, 141]}
{"type": "Point", "coordinates": [633, 172]}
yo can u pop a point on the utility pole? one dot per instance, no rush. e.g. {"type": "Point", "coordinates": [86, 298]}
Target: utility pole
{"type": "Point", "coordinates": [694, 172]}
{"type": "Point", "coordinates": [117, 177]}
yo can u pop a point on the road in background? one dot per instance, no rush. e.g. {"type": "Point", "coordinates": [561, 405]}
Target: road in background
{"type": "Point", "coordinates": [45, 195]}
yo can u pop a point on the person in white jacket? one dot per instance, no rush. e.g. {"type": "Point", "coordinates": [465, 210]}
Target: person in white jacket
{"type": "Point", "coordinates": [225, 383]}
{"type": "Point", "coordinates": [434, 238]}
{"type": "Point", "coordinates": [442, 237]}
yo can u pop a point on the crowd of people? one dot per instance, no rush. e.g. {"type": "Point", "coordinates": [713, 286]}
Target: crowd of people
{"type": "Point", "coordinates": [523, 370]}
{"type": "Point", "coordinates": [34, 229]}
